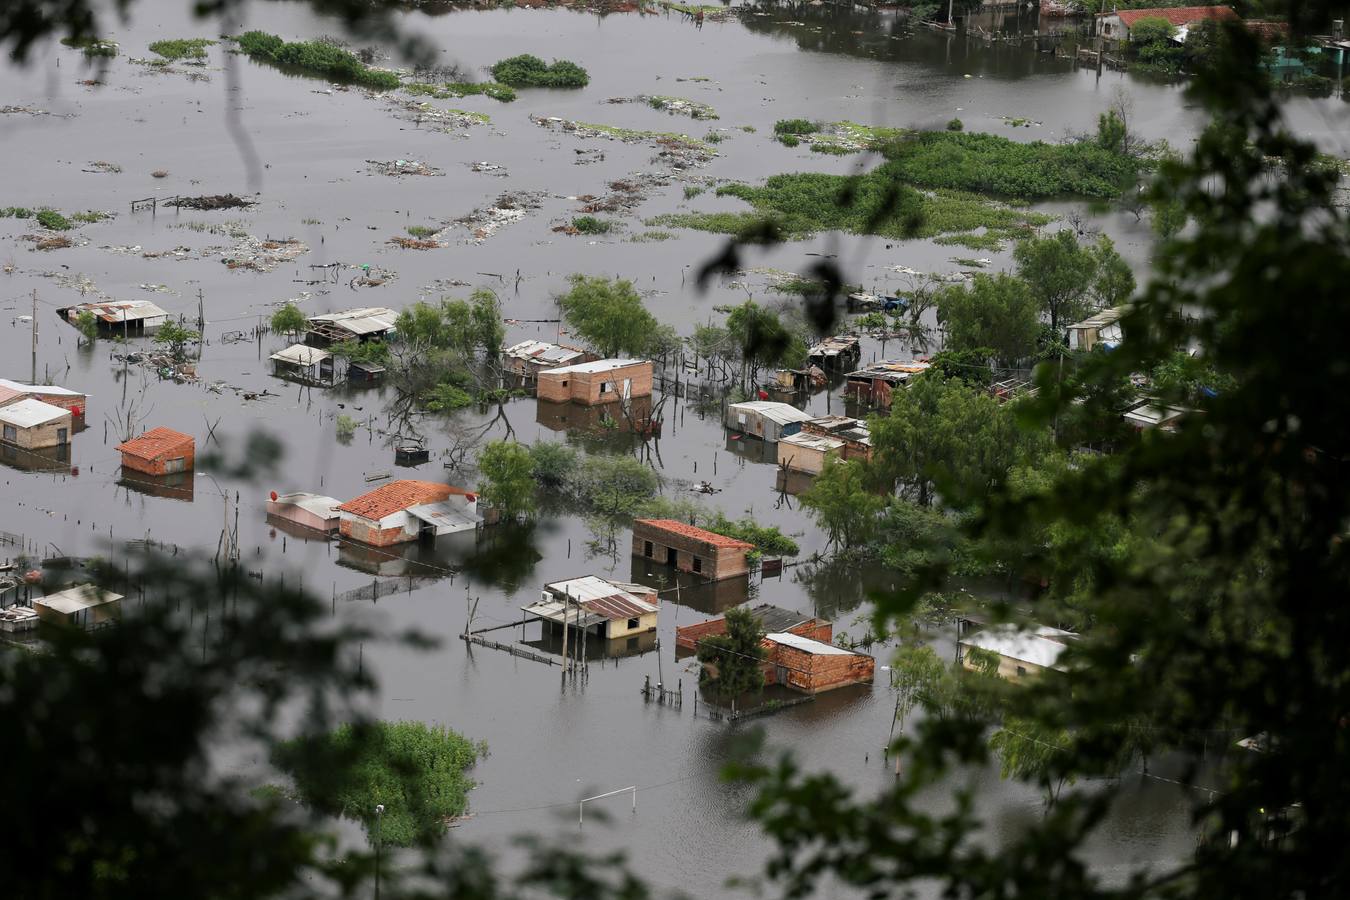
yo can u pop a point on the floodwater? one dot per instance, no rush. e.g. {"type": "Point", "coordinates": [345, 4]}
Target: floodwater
{"type": "Point", "coordinates": [303, 149]}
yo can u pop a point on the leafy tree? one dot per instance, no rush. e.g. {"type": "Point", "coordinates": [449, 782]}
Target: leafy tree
{"type": "Point", "coordinates": [762, 341]}
{"type": "Point", "coordinates": [995, 311]}
{"type": "Point", "coordinates": [508, 479]}
{"type": "Point", "coordinates": [766, 538]}
{"type": "Point", "coordinates": [608, 315]}
{"type": "Point", "coordinates": [1029, 751]}
{"type": "Point", "coordinates": [915, 674]}
{"type": "Point", "coordinates": [176, 337]}
{"type": "Point", "coordinates": [1070, 279]}
{"type": "Point", "coordinates": [376, 352]}
{"type": "Point", "coordinates": [734, 661]}
{"type": "Point", "coordinates": [1111, 131]}
{"type": "Point", "coordinates": [531, 71]}
{"type": "Point", "coordinates": [842, 502]}
{"type": "Point", "coordinates": [289, 320]}
{"type": "Point", "coordinates": [552, 463]}
{"type": "Point", "coordinates": [86, 323]}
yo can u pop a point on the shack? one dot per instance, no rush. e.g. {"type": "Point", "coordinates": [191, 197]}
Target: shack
{"type": "Point", "coordinates": [800, 381]}
{"type": "Point", "coordinates": [528, 358]}
{"type": "Point", "coordinates": [836, 352]}
{"type": "Point", "coordinates": [872, 385]}
{"type": "Point", "coordinates": [1116, 25]}
{"type": "Point", "coordinates": [123, 318]}
{"type": "Point", "coordinates": [813, 666]}
{"type": "Point", "coordinates": [159, 451]}
{"type": "Point", "coordinates": [33, 425]}
{"type": "Point", "coordinates": [689, 549]}
{"type": "Point", "coordinates": [73, 402]}
{"type": "Point", "coordinates": [314, 511]}
{"type": "Point", "coordinates": [855, 434]}
{"type": "Point", "coordinates": [597, 382]}
{"type": "Point", "coordinates": [607, 609]}
{"type": "Point", "coordinates": [407, 510]}
{"type": "Point", "coordinates": [364, 372]}
{"type": "Point", "coordinates": [369, 323]}
{"type": "Point", "coordinates": [304, 363]}
{"type": "Point", "coordinates": [765, 419]}
{"type": "Point", "coordinates": [82, 606]}
{"type": "Point", "coordinates": [1151, 414]}
{"type": "Point", "coordinates": [807, 452]}
{"type": "Point", "coordinates": [1102, 328]}
{"type": "Point", "coordinates": [771, 619]}
{"type": "Point", "coordinates": [1021, 652]}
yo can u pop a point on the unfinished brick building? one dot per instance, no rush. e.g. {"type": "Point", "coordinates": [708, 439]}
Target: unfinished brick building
{"type": "Point", "coordinates": [771, 619]}
{"type": "Point", "coordinates": [594, 383]}
{"type": "Point", "coordinates": [814, 666]}
{"type": "Point", "coordinates": [689, 549]}
{"type": "Point", "coordinates": [160, 451]}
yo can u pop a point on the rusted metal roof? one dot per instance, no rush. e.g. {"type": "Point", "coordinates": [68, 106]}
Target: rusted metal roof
{"type": "Point", "coordinates": [363, 321]}
{"type": "Point", "coordinates": [114, 311]}
{"type": "Point", "coordinates": [698, 534]}
{"type": "Point", "coordinates": [397, 496]}
{"type": "Point", "coordinates": [157, 442]}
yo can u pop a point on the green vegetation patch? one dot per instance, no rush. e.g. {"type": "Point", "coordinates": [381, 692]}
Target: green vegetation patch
{"type": "Point", "coordinates": [414, 770]}
{"type": "Point", "coordinates": [315, 58]}
{"type": "Point", "coordinates": [832, 149]}
{"type": "Point", "coordinates": [651, 237]}
{"type": "Point", "coordinates": [794, 126]}
{"type": "Point", "coordinates": [592, 225]}
{"type": "Point", "coordinates": [531, 71]}
{"type": "Point", "coordinates": [92, 47]}
{"type": "Point", "coordinates": [89, 216]}
{"type": "Point", "coordinates": [680, 106]}
{"type": "Point", "coordinates": [972, 241]}
{"type": "Point", "coordinates": [421, 231]}
{"type": "Point", "coordinates": [50, 218]}
{"type": "Point", "coordinates": [183, 48]}
{"type": "Point", "coordinates": [875, 203]}
{"type": "Point", "coordinates": [767, 540]}
{"type": "Point", "coordinates": [501, 92]}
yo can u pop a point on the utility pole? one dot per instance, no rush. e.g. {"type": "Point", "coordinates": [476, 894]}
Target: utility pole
{"type": "Point", "coordinates": [33, 379]}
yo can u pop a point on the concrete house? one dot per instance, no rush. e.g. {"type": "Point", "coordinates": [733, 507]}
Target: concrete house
{"type": "Point", "coordinates": [689, 549]}
{"type": "Point", "coordinates": [1116, 25]}
{"type": "Point", "coordinates": [72, 401]}
{"type": "Point", "coordinates": [873, 385]}
{"type": "Point", "coordinates": [82, 606]}
{"type": "Point", "coordinates": [313, 511]}
{"type": "Point", "coordinates": [1102, 327]}
{"type": "Point", "coordinates": [127, 318]}
{"type": "Point", "coordinates": [1021, 652]}
{"type": "Point", "coordinates": [159, 451]}
{"type": "Point", "coordinates": [407, 510]}
{"type": "Point", "coordinates": [597, 382]}
{"type": "Point", "coordinates": [772, 619]}
{"type": "Point", "coordinates": [607, 609]}
{"type": "Point", "coordinates": [807, 452]}
{"type": "Point", "coordinates": [34, 425]}
{"type": "Point", "coordinates": [528, 358]}
{"type": "Point", "coordinates": [765, 419]}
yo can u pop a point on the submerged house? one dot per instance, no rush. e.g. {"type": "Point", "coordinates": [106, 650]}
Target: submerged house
{"type": "Point", "coordinates": [765, 419]}
{"type": "Point", "coordinates": [607, 609]}
{"type": "Point", "coordinates": [305, 363]}
{"type": "Point", "coordinates": [125, 318]}
{"type": "Point", "coordinates": [808, 452]}
{"type": "Point", "coordinates": [597, 382]}
{"type": "Point", "coordinates": [364, 324]}
{"type": "Point", "coordinates": [690, 549]}
{"type": "Point", "coordinates": [159, 451]}
{"type": "Point", "coordinates": [34, 425]}
{"type": "Point", "coordinates": [1151, 414]}
{"type": "Point", "coordinates": [1102, 327]}
{"type": "Point", "coordinates": [855, 434]}
{"type": "Point", "coordinates": [872, 385]}
{"type": "Point", "coordinates": [82, 606]}
{"type": "Point", "coordinates": [836, 352]}
{"type": "Point", "coordinates": [528, 358]}
{"type": "Point", "coordinates": [813, 666]}
{"type": "Point", "coordinates": [771, 619]}
{"type": "Point", "coordinates": [73, 402]}
{"type": "Point", "coordinates": [1116, 25]}
{"type": "Point", "coordinates": [407, 510]}
{"type": "Point", "coordinates": [313, 511]}
{"type": "Point", "coordinates": [1021, 652]}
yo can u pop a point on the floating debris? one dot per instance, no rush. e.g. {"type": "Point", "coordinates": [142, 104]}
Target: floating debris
{"type": "Point", "coordinates": [397, 167]}
{"type": "Point", "coordinates": [488, 168]}
{"type": "Point", "coordinates": [48, 241]}
{"type": "Point", "coordinates": [104, 168]}
{"type": "Point", "coordinates": [679, 151]}
{"type": "Point", "coordinates": [159, 289]}
{"type": "Point", "coordinates": [424, 114]}
{"type": "Point", "coordinates": [409, 243]}
{"type": "Point", "coordinates": [209, 201]}
{"type": "Point", "coordinates": [676, 106]}
{"type": "Point", "coordinates": [27, 111]}
{"type": "Point", "coordinates": [261, 254]}
{"type": "Point", "coordinates": [508, 208]}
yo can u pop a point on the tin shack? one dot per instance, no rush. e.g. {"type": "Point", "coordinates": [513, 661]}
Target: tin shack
{"type": "Point", "coordinates": [82, 606]}
{"type": "Point", "coordinates": [313, 511]}
{"type": "Point", "coordinates": [808, 452]}
{"type": "Point", "coordinates": [124, 318]}
{"type": "Point", "coordinates": [765, 419]}
{"type": "Point", "coordinates": [607, 609]}
{"type": "Point", "coordinates": [872, 385]}
{"type": "Point", "coordinates": [528, 358]}
{"type": "Point", "coordinates": [369, 323]}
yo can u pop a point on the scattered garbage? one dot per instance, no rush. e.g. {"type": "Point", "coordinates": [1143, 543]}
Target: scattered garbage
{"type": "Point", "coordinates": [48, 241]}
{"type": "Point", "coordinates": [402, 167]}
{"type": "Point", "coordinates": [105, 168]}
{"type": "Point", "coordinates": [508, 208]}
{"type": "Point", "coordinates": [209, 202]}
{"type": "Point", "coordinates": [679, 151]}
{"type": "Point", "coordinates": [410, 243]}
{"type": "Point", "coordinates": [262, 254]}
{"type": "Point", "coordinates": [159, 289]}
{"type": "Point", "coordinates": [678, 106]}
{"type": "Point", "coordinates": [488, 168]}
{"type": "Point", "coordinates": [425, 114]}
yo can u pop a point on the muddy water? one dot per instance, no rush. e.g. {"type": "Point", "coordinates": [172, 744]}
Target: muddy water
{"type": "Point", "coordinates": [311, 143]}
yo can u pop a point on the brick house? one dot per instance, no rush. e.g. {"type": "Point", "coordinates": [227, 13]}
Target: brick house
{"type": "Point", "coordinates": [159, 451]}
{"type": "Point", "coordinates": [689, 549]}
{"type": "Point", "coordinates": [1116, 25]}
{"type": "Point", "coordinates": [33, 425]}
{"type": "Point", "coordinates": [771, 619]}
{"type": "Point", "coordinates": [593, 383]}
{"type": "Point", "coordinates": [72, 401]}
{"type": "Point", "coordinates": [407, 510]}
{"type": "Point", "coordinates": [814, 666]}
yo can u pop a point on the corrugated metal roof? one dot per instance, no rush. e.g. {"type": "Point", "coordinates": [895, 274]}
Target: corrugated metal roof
{"type": "Point", "coordinates": [1022, 645]}
{"type": "Point", "coordinates": [157, 442]}
{"type": "Point", "coordinates": [445, 515]}
{"type": "Point", "coordinates": [1102, 318]}
{"type": "Point", "coordinates": [317, 504]}
{"type": "Point", "coordinates": [815, 648]}
{"type": "Point", "coordinates": [48, 389]}
{"type": "Point", "coordinates": [397, 496]}
{"type": "Point", "coordinates": [891, 369]}
{"type": "Point", "coordinates": [302, 355]}
{"type": "Point", "coordinates": [782, 413]}
{"type": "Point", "coordinates": [76, 599]}
{"type": "Point", "coordinates": [599, 365]}
{"type": "Point", "coordinates": [121, 310]}
{"type": "Point", "coordinates": [690, 531]}
{"type": "Point", "coordinates": [366, 320]}
{"type": "Point", "coordinates": [29, 413]}
{"type": "Point", "coordinates": [812, 441]}
{"type": "Point", "coordinates": [553, 610]}
{"type": "Point", "coordinates": [604, 600]}
{"type": "Point", "coordinates": [543, 351]}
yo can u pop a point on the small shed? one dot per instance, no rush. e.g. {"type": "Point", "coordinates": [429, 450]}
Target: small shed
{"type": "Point", "coordinates": [314, 511]}
{"type": "Point", "coordinates": [303, 362]}
{"type": "Point", "coordinates": [608, 609]}
{"type": "Point", "coordinates": [855, 434]}
{"type": "Point", "coordinates": [1021, 652]}
{"type": "Point", "coordinates": [403, 511]}
{"type": "Point", "coordinates": [72, 401]}
{"type": "Point", "coordinates": [808, 452]}
{"type": "Point", "coordinates": [528, 358]}
{"type": "Point", "coordinates": [840, 351]}
{"type": "Point", "coordinates": [690, 549]}
{"type": "Point", "coordinates": [33, 425]}
{"type": "Point", "coordinates": [364, 372]}
{"type": "Point", "coordinates": [1102, 327]}
{"type": "Point", "coordinates": [765, 419]}
{"type": "Point", "coordinates": [813, 666]}
{"type": "Point", "coordinates": [364, 324]}
{"type": "Point", "coordinates": [872, 385]}
{"type": "Point", "coordinates": [124, 318]}
{"type": "Point", "coordinates": [82, 606]}
{"type": "Point", "coordinates": [159, 451]}
{"type": "Point", "coordinates": [771, 619]}
{"type": "Point", "coordinates": [597, 382]}
{"type": "Point", "coordinates": [800, 381]}
{"type": "Point", "coordinates": [1150, 414]}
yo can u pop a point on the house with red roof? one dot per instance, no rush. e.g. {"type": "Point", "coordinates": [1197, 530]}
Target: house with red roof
{"type": "Point", "coordinates": [159, 451]}
{"type": "Point", "coordinates": [1116, 25]}
{"type": "Point", "coordinates": [705, 553]}
{"type": "Point", "coordinates": [407, 510]}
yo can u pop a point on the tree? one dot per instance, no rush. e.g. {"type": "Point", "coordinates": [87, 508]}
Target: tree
{"type": "Point", "coordinates": [842, 502]}
{"type": "Point", "coordinates": [289, 320]}
{"type": "Point", "coordinates": [1070, 279]}
{"type": "Point", "coordinates": [995, 311]}
{"type": "Point", "coordinates": [508, 480]}
{"type": "Point", "coordinates": [87, 325]}
{"type": "Point", "coordinates": [1030, 752]}
{"type": "Point", "coordinates": [608, 315]}
{"type": "Point", "coordinates": [734, 661]}
{"type": "Point", "coordinates": [761, 340]}
{"type": "Point", "coordinates": [176, 337]}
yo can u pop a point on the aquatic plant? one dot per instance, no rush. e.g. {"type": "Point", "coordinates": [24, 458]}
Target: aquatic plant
{"type": "Point", "coordinates": [531, 71]}
{"type": "Point", "coordinates": [182, 48]}
{"type": "Point", "coordinates": [501, 92]}
{"type": "Point", "coordinates": [794, 126]}
{"type": "Point", "coordinates": [50, 218]}
{"type": "Point", "coordinates": [315, 58]}
{"type": "Point", "coordinates": [421, 231]}
{"type": "Point", "coordinates": [592, 225]}
{"type": "Point", "coordinates": [832, 149]}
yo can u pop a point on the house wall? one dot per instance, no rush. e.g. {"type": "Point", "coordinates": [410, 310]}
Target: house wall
{"type": "Point", "coordinates": [84, 618]}
{"type": "Point", "coordinates": [687, 637]}
{"type": "Point", "coordinates": [585, 387]}
{"type": "Point", "coordinates": [717, 563]}
{"type": "Point", "coordinates": [180, 460]}
{"type": "Point", "coordinates": [618, 628]}
{"type": "Point", "coordinates": [74, 405]}
{"type": "Point", "coordinates": [39, 436]}
{"type": "Point", "coordinates": [396, 529]}
{"type": "Point", "coordinates": [804, 459]}
{"type": "Point", "coordinates": [301, 516]}
{"type": "Point", "coordinates": [1008, 667]}
{"type": "Point", "coordinates": [1112, 27]}
{"type": "Point", "coordinates": [813, 673]}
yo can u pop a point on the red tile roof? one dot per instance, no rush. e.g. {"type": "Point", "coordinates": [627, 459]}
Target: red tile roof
{"type": "Point", "coordinates": [157, 442]}
{"type": "Point", "coordinates": [1177, 15]}
{"type": "Point", "coordinates": [698, 534]}
{"type": "Point", "coordinates": [398, 495]}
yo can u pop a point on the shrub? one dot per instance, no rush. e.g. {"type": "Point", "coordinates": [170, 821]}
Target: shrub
{"type": "Point", "coordinates": [592, 225]}
{"type": "Point", "coordinates": [788, 140]}
{"type": "Point", "coordinates": [794, 126]}
{"type": "Point", "coordinates": [288, 320]}
{"type": "Point", "coordinates": [421, 231]}
{"type": "Point", "coordinates": [692, 190]}
{"type": "Point", "coordinates": [831, 149]}
{"type": "Point", "coordinates": [50, 218]}
{"type": "Point", "coordinates": [16, 212]}
{"type": "Point", "coordinates": [346, 427]}
{"type": "Point", "coordinates": [501, 92]}
{"type": "Point", "coordinates": [316, 58]}
{"type": "Point", "coordinates": [956, 125]}
{"type": "Point", "coordinates": [531, 71]}
{"type": "Point", "coordinates": [189, 48]}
